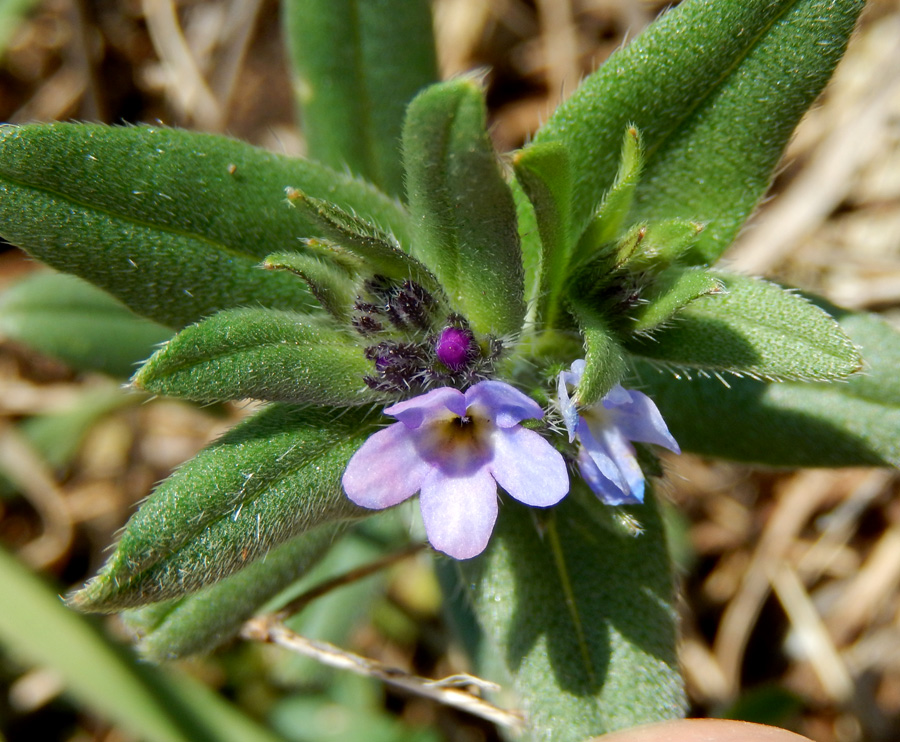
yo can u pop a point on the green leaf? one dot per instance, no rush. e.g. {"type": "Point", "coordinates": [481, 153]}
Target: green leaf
{"type": "Point", "coordinates": [172, 223]}
{"type": "Point", "coordinates": [662, 243]}
{"type": "Point", "coordinates": [68, 319]}
{"type": "Point", "coordinates": [261, 354]}
{"type": "Point", "coordinates": [672, 290]}
{"type": "Point", "coordinates": [580, 612]}
{"type": "Point", "coordinates": [464, 211]}
{"type": "Point", "coordinates": [545, 175]}
{"type": "Point", "coordinates": [376, 249]}
{"type": "Point", "coordinates": [716, 166]}
{"type": "Point", "coordinates": [270, 478]}
{"type": "Point", "coordinates": [755, 328]}
{"type": "Point", "coordinates": [327, 281]}
{"type": "Point", "coordinates": [852, 423]}
{"type": "Point", "coordinates": [357, 65]}
{"type": "Point", "coordinates": [610, 220]}
{"type": "Point", "coordinates": [715, 87]}
{"type": "Point", "coordinates": [531, 245]}
{"type": "Point", "coordinates": [604, 359]}
{"type": "Point", "coordinates": [205, 620]}
{"type": "Point", "coordinates": [146, 702]}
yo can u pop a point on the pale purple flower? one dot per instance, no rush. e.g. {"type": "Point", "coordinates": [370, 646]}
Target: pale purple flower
{"type": "Point", "coordinates": [606, 459]}
{"type": "Point", "coordinates": [454, 448]}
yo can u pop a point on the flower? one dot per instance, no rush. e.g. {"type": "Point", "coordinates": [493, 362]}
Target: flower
{"type": "Point", "coordinates": [606, 459]}
{"type": "Point", "coordinates": [454, 448]}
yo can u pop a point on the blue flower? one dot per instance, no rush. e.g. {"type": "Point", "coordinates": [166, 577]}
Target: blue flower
{"type": "Point", "coordinates": [454, 448]}
{"type": "Point", "coordinates": [606, 459]}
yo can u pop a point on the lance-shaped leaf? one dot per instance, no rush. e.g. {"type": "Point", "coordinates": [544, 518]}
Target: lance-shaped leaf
{"type": "Point", "coordinates": [270, 478]}
{"type": "Point", "coordinates": [663, 243]}
{"type": "Point", "coordinates": [68, 319]}
{"type": "Point", "coordinates": [462, 208]}
{"type": "Point", "coordinates": [671, 291]}
{"type": "Point", "coordinates": [328, 281]}
{"type": "Point", "coordinates": [357, 65]}
{"type": "Point", "coordinates": [604, 357]}
{"type": "Point", "coordinates": [171, 223]}
{"type": "Point", "coordinates": [207, 619]}
{"type": "Point", "coordinates": [545, 175]}
{"type": "Point", "coordinates": [852, 423]}
{"type": "Point", "coordinates": [376, 249]}
{"type": "Point", "coordinates": [531, 245]}
{"type": "Point", "coordinates": [718, 164]}
{"type": "Point", "coordinates": [754, 328]}
{"type": "Point", "coordinates": [260, 354]}
{"type": "Point", "coordinates": [610, 220]}
{"type": "Point", "coordinates": [715, 87]}
{"type": "Point", "coordinates": [581, 614]}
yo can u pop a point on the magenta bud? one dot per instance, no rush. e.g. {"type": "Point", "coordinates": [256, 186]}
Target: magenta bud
{"type": "Point", "coordinates": [454, 347]}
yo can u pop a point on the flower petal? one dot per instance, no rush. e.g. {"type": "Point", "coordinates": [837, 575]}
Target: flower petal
{"type": "Point", "coordinates": [459, 512]}
{"type": "Point", "coordinates": [503, 404]}
{"type": "Point", "coordinates": [528, 467]}
{"type": "Point", "coordinates": [622, 454]}
{"type": "Point", "coordinates": [438, 402]}
{"type": "Point", "coordinates": [386, 469]}
{"type": "Point", "coordinates": [566, 404]}
{"type": "Point", "coordinates": [640, 420]}
{"type": "Point", "coordinates": [593, 441]}
{"type": "Point", "coordinates": [607, 490]}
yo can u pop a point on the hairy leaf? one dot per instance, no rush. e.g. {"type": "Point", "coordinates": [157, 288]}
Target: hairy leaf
{"type": "Point", "coordinates": [715, 87]}
{"type": "Point", "coordinates": [716, 166]}
{"type": "Point", "coordinates": [464, 211]}
{"type": "Point", "coordinates": [327, 280]}
{"type": "Point", "coordinates": [672, 290]}
{"type": "Point", "coordinates": [357, 65]}
{"type": "Point", "coordinates": [261, 354]}
{"type": "Point", "coordinates": [205, 620]}
{"type": "Point", "coordinates": [70, 320]}
{"type": "Point", "coordinates": [852, 423]}
{"type": "Point", "coordinates": [172, 223]}
{"type": "Point", "coordinates": [375, 249]}
{"type": "Point", "coordinates": [545, 175]}
{"type": "Point", "coordinates": [268, 479]}
{"type": "Point", "coordinates": [580, 612]}
{"type": "Point", "coordinates": [755, 328]}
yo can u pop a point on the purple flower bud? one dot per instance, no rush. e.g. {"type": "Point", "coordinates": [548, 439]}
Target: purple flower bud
{"type": "Point", "coordinates": [454, 347]}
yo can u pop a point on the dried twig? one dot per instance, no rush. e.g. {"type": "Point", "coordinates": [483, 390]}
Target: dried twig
{"type": "Point", "coordinates": [270, 630]}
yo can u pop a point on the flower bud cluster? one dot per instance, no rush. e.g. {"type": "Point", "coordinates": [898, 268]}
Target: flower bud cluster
{"type": "Point", "coordinates": [415, 345]}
